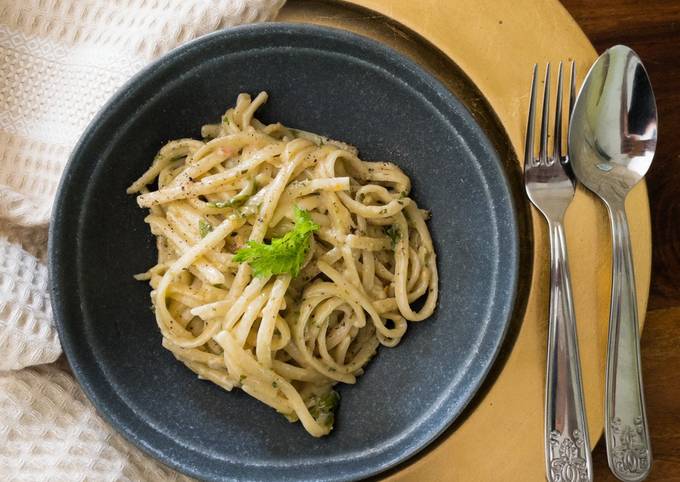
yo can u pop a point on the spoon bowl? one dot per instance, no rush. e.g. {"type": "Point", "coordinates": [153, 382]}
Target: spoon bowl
{"type": "Point", "coordinates": [613, 128]}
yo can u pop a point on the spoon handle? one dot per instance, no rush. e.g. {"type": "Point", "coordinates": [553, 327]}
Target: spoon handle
{"type": "Point", "coordinates": [567, 446]}
{"type": "Point", "coordinates": [627, 434]}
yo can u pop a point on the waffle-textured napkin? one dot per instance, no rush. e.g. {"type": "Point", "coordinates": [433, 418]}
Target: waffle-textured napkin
{"type": "Point", "coordinates": [60, 60]}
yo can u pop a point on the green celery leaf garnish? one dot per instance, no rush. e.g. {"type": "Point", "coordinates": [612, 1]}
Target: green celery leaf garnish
{"type": "Point", "coordinates": [282, 255]}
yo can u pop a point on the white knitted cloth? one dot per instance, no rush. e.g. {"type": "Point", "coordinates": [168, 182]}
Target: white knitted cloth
{"type": "Point", "coordinates": [60, 60]}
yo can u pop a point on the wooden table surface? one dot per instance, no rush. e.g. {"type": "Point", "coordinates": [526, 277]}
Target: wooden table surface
{"type": "Point", "coordinates": [652, 29]}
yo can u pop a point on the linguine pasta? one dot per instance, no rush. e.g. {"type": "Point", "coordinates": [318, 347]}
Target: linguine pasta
{"type": "Point", "coordinates": [283, 260]}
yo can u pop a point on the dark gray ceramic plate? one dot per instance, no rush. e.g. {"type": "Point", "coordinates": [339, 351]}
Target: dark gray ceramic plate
{"type": "Point", "coordinates": [340, 85]}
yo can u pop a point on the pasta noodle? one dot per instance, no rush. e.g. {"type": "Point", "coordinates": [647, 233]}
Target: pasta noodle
{"type": "Point", "coordinates": [284, 260]}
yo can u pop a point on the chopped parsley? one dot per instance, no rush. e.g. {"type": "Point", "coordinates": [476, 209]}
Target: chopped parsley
{"type": "Point", "coordinates": [232, 203]}
{"type": "Point", "coordinates": [204, 227]}
{"type": "Point", "coordinates": [323, 408]}
{"type": "Point", "coordinates": [238, 200]}
{"type": "Point", "coordinates": [393, 232]}
{"type": "Point", "coordinates": [282, 255]}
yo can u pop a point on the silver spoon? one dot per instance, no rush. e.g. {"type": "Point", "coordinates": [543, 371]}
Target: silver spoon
{"type": "Point", "coordinates": [612, 138]}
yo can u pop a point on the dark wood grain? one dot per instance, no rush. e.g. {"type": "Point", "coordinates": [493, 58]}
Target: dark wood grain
{"type": "Point", "coordinates": [652, 29]}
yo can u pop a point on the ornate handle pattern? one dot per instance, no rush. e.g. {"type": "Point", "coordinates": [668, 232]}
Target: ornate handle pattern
{"type": "Point", "coordinates": [627, 434]}
{"type": "Point", "coordinates": [567, 449]}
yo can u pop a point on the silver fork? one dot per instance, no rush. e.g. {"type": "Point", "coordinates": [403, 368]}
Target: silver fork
{"type": "Point", "coordinates": [550, 186]}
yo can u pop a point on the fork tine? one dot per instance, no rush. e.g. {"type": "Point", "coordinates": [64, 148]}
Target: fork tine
{"type": "Point", "coordinates": [529, 143]}
{"type": "Point", "coordinates": [543, 149]}
{"type": "Point", "coordinates": [557, 136]}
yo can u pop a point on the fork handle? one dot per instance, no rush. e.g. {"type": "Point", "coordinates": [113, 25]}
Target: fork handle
{"type": "Point", "coordinates": [626, 431]}
{"type": "Point", "coordinates": [567, 446]}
